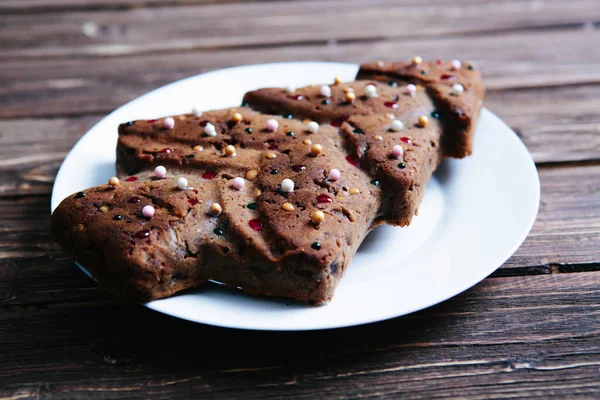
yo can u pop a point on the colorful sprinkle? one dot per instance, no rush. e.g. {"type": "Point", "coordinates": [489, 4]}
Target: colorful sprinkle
{"type": "Point", "coordinates": [288, 116]}
{"type": "Point", "coordinates": [290, 89]}
{"type": "Point", "coordinates": [339, 121]}
{"type": "Point", "coordinates": [316, 149]}
{"type": "Point", "coordinates": [296, 97]}
{"type": "Point", "coordinates": [270, 155]}
{"type": "Point", "coordinates": [317, 217]}
{"type": "Point", "coordinates": [417, 60]}
{"type": "Point", "coordinates": [131, 179]}
{"type": "Point", "coordinates": [287, 186]}
{"type": "Point", "coordinates": [114, 181]}
{"type": "Point", "coordinates": [209, 175]}
{"type": "Point", "coordinates": [337, 80]}
{"type": "Point", "coordinates": [251, 175]}
{"type": "Point", "coordinates": [374, 182]}
{"type": "Point", "coordinates": [435, 114]}
{"type": "Point", "coordinates": [353, 191]}
{"type": "Point", "coordinates": [325, 91]}
{"type": "Point", "coordinates": [401, 165]}
{"type": "Point", "coordinates": [252, 206]}
{"type": "Point", "coordinates": [335, 174]}
{"type": "Point", "coordinates": [456, 65]}
{"type": "Point", "coordinates": [160, 171]}
{"type": "Point", "coordinates": [238, 183]}
{"type": "Point", "coordinates": [397, 151]}
{"type": "Point", "coordinates": [299, 168]}
{"type": "Point", "coordinates": [129, 123]}
{"type": "Point", "coordinates": [210, 129]}
{"type": "Point", "coordinates": [423, 121]}
{"type": "Point", "coordinates": [215, 209]}
{"type": "Point", "coordinates": [393, 84]}
{"type": "Point", "coordinates": [237, 117]}
{"type": "Point", "coordinates": [411, 89]}
{"type": "Point", "coordinates": [350, 97]}
{"type": "Point", "coordinates": [182, 183]}
{"type": "Point", "coordinates": [148, 211]}
{"type": "Point", "coordinates": [396, 125]}
{"type": "Point", "coordinates": [230, 151]}
{"type": "Point", "coordinates": [196, 112]}
{"type": "Point", "coordinates": [323, 198]}
{"type": "Point", "coordinates": [471, 67]}
{"type": "Point", "coordinates": [142, 234]}
{"type": "Point", "coordinates": [326, 102]}
{"type": "Point", "coordinates": [290, 133]}
{"type": "Point", "coordinates": [391, 104]}
{"type": "Point", "coordinates": [218, 231]}
{"type": "Point", "coordinates": [316, 246]}
{"type": "Point", "coordinates": [169, 123]}
{"type": "Point", "coordinates": [134, 200]}
{"type": "Point", "coordinates": [359, 131]}
{"type": "Point", "coordinates": [272, 125]}
{"type": "Point", "coordinates": [248, 130]}
{"type": "Point", "coordinates": [198, 148]}
{"type": "Point", "coordinates": [457, 89]}
{"type": "Point", "coordinates": [256, 224]}
{"type": "Point", "coordinates": [79, 195]}
{"type": "Point", "coordinates": [166, 150]}
{"type": "Point", "coordinates": [193, 201]}
{"type": "Point", "coordinates": [354, 160]}
{"type": "Point", "coordinates": [406, 140]}
{"type": "Point", "coordinates": [117, 218]}
{"type": "Point", "coordinates": [370, 91]}
{"type": "Point", "coordinates": [274, 171]}
{"type": "Point", "coordinates": [312, 127]}
{"type": "Point", "coordinates": [287, 207]}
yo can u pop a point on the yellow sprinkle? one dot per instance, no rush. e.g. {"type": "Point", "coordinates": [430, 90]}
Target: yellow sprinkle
{"type": "Point", "coordinates": [230, 151]}
{"type": "Point", "coordinates": [114, 181]}
{"type": "Point", "coordinates": [307, 141]}
{"type": "Point", "coordinates": [423, 120]}
{"type": "Point", "coordinates": [251, 175]}
{"type": "Point", "coordinates": [215, 209]}
{"type": "Point", "coordinates": [378, 137]}
{"type": "Point", "coordinates": [270, 155]}
{"type": "Point", "coordinates": [181, 117]}
{"type": "Point", "coordinates": [390, 116]}
{"type": "Point", "coordinates": [354, 190]}
{"type": "Point", "coordinates": [318, 217]}
{"type": "Point", "coordinates": [198, 148]}
{"type": "Point", "coordinates": [337, 80]}
{"type": "Point", "coordinates": [380, 64]}
{"type": "Point", "coordinates": [347, 89]}
{"type": "Point", "coordinates": [287, 206]}
{"type": "Point", "coordinates": [257, 192]}
{"type": "Point", "coordinates": [417, 60]}
{"type": "Point", "coordinates": [350, 97]}
{"type": "Point", "coordinates": [316, 149]}
{"type": "Point", "coordinates": [237, 117]}
{"type": "Point", "coordinates": [104, 209]}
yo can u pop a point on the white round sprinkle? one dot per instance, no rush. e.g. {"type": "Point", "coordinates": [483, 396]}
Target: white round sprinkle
{"type": "Point", "coordinates": [287, 185]}
{"type": "Point", "coordinates": [397, 151]}
{"type": "Point", "coordinates": [238, 183]}
{"type": "Point", "coordinates": [290, 89]}
{"type": "Point", "coordinates": [182, 183]}
{"type": "Point", "coordinates": [169, 123]}
{"type": "Point", "coordinates": [325, 91]}
{"type": "Point", "coordinates": [272, 125]}
{"type": "Point", "coordinates": [456, 65]}
{"type": "Point", "coordinates": [160, 171]}
{"type": "Point", "coordinates": [334, 174]}
{"type": "Point", "coordinates": [457, 89]}
{"type": "Point", "coordinates": [371, 91]}
{"type": "Point", "coordinates": [210, 129]}
{"type": "Point", "coordinates": [313, 127]}
{"type": "Point", "coordinates": [148, 211]}
{"type": "Point", "coordinates": [411, 89]}
{"type": "Point", "coordinates": [196, 112]}
{"type": "Point", "coordinates": [396, 125]}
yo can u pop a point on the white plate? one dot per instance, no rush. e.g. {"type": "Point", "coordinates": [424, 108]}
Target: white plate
{"type": "Point", "coordinates": [475, 214]}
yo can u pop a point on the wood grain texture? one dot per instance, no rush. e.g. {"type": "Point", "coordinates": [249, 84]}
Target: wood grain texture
{"type": "Point", "coordinates": [532, 336]}
{"type": "Point", "coordinates": [139, 30]}
{"type": "Point", "coordinates": [71, 86]}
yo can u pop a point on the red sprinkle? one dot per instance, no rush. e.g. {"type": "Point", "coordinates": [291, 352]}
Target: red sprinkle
{"type": "Point", "coordinates": [296, 97]}
{"type": "Point", "coordinates": [339, 121]}
{"type": "Point", "coordinates": [256, 224]}
{"type": "Point", "coordinates": [406, 140]}
{"type": "Point", "coordinates": [193, 201]}
{"type": "Point", "coordinates": [353, 160]}
{"type": "Point", "coordinates": [134, 200]}
{"type": "Point", "coordinates": [439, 61]}
{"type": "Point", "coordinates": [151, 121]}
{"type": "Point", "coordinates": [299, 168]}
{"type": "Point", "coordinates": [209, 174]}
{"type": "Point", "coordinates": [142, 234]}
{"type": "Point", "coordinates": [131, 179]}
{"type": "Point", "coordinates": [448, 77]}
{"type": "Point", "coordinates": [273, 146]}
{"type": "Point", "coordinates": [390, 104]}
{"type": "Point", "coordinates": [323, 198]}
{"type": "Point", "coordinates": [204, 122]}
{"type": "Point", "coordinates": [166, 150]}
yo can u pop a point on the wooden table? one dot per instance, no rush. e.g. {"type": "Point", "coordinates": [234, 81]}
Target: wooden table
{"type": "Point", "coordinates": [531, 329]}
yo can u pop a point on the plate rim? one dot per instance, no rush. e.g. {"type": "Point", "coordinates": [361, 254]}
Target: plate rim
{"type": "Point", "coordinates": [476, 278]}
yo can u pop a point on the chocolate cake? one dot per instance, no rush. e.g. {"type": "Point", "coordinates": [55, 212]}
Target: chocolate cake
{"type": "Point", "coordinates": [275, 196]}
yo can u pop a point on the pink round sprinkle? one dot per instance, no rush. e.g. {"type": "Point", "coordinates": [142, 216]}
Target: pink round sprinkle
{"type": "Point", "coordinates": [411, 89]}
{"type": "Point", "coordinates": [148, 211]}
{"type": "Point", "coordinates": [272, 125]}
{"type": "Point", "coordinates": [160, 171]}
{"type": "Point", "coordinates": [456, 65]}
{"type": "Point", "coordinates": [238, 183]}
{"type": "Point", "coordinates": [335, 174]}
{"type": "Point", "coordinates": [325, 91]}
{"type": "Point", "coordinates": [169, 123]}
{"type": "Point", "coordinates": [397, 151]}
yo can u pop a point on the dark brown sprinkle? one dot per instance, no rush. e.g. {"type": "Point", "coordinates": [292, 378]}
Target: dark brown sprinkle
{"type": "Point", "coordinates": [401, 165]}
{"type": "Point", "coordinates": [248, 130]}
{"type": "Point", "coordinates": [326, 102]}
{"type": "Point", "coordinates": [274, 171]}
{"type": "Point", "coordinates": [316, 246]}
{"type": "Point", "coordinates": [117, 218]}
{"type": "Point", "coordinates": [79, 195]}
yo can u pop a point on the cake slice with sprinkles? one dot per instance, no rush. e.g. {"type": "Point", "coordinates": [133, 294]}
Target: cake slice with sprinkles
{"type": "Point", "coordinates": [273, 197]}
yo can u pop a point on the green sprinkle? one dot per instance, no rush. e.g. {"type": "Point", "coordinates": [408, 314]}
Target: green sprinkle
{"type": "Point", "coordinates": [244, 104]}
{"type": "Point", "coordinates": [393, 83]}
{"type": "Point", "coordinates": [423, 72]}
{"type": "Point", "coordinates": [252, 206]}
{"type": "Point", "coordinates": [316, 246]}
{"type": "Point", "coordinates": [274, 171]}
{"type": "Point", "coordinates": [248, 130]}
{"type": "Point", "coordinates": [218, 231]}
{"type": "Point", "coordinates": [325, 102]}
{"type": "Point", "coordinates": [470, 67]}
{"type": "Point", "coordinates": [288, 116]}
{"type": "Point", "coordinates": [79, 195]}
{"type": "Point", "coordinates": [401, 165]}
{"type": "Point", "coordinates": [290, 133]}
{"type": "Point", "coordinates": [190, 156]}
{"type": "Point", "coordinates": [359, 131]}
{"type": "Point", "coordinates": [129, 123]}
{"type": "Point", "coordinates": [435, 114]}
{"type": "Point", "coordinates": [375, 182]}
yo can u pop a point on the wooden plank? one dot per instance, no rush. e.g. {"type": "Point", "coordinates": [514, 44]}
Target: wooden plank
{"type": "Point", "coordinates": [87, 85]}
{"type": "Point", "coordinates": [141, 30]}
{"type": "Point", "coordinates": [532, 336]}
{"type": "Point", "coordinates": [567, 232]}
